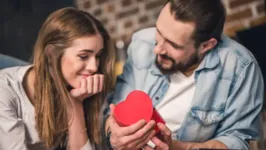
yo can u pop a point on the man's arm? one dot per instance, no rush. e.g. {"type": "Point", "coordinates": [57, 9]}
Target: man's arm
{"type": "Point", "coordinates": [165, 142]}
{"type": "Point", "coordinates": [242, 121]}
{"type": "Point", "coordinates": [211, 144]}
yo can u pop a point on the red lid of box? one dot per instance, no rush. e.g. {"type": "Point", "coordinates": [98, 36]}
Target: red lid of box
{"type": "Point", "coordinates": [137, 106]}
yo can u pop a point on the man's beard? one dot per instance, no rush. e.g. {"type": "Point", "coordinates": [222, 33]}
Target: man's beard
{"type": "Point", "coordinates": [175, 67]}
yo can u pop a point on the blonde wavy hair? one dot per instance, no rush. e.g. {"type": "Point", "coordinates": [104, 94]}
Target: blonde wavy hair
{"type": "Point", "coordinates": [51, 96]}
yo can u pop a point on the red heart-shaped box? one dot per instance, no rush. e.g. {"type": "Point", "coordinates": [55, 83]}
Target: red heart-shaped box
{"type": "Point", "coordinates": [137, 106]}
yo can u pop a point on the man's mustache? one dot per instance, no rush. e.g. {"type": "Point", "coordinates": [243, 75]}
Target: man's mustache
{"type": "Point", "coordinates": [166, 57]}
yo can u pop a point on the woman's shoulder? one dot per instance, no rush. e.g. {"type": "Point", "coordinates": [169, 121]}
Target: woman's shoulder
{"type": "Point", "coordinates": [13, 73]}
{"type": "Point", "coordinates": [14, 70]}
{"type": "Point", "coordinates": [10, 80]}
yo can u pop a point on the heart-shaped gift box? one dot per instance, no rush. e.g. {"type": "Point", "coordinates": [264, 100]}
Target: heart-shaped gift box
{"type": "Point", "coordinates": [137, 106]}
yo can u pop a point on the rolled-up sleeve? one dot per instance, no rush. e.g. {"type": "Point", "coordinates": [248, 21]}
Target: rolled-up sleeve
{"type": "Point", "coordinates": [12, 129]}
{"type": "Point", "coordinates": [243, 121]}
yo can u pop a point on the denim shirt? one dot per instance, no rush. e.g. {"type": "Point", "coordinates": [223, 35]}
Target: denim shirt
{"type": "Point", "coordinates": [228, 96]}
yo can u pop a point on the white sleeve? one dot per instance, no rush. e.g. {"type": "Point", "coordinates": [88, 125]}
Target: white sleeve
{"type": "Point", "coordinates": [12, 130]}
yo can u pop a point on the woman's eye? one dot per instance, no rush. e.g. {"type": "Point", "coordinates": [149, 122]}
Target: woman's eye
{"type": "Point", "coordinates": [83, 57]}
{"type": "Point", "coordinates": [99, 56]}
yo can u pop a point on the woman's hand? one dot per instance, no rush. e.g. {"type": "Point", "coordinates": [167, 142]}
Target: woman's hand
{"type": "Point", "coordinates": [88, 87]}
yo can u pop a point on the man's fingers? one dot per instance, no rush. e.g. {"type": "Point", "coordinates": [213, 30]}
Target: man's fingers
{"type": "Point", "coordinates": [129, 130]}
{"type": "Point", "coordinates": [135, 131]}
{"type": "Point", "coordinates": [148, 127]}
{"type": "Point", "coordinates": [159, 144]}
{"type": "Point", "coordinates": [131, 140]}
{"type": "Point", "coordinates": [146, 147]}
{"type": "Point", "coordinates": [145, 140]}
{"type": "Point", "coordinates": [165, 131]}
{"type": "Point", "coordinates": [112, 122]}
{"type": "Point", "coordinates": [112, 109]}
{"type": "Point", "coordinates": [138, 143]}
{"type": "Point", "coordinates": [111, 117]}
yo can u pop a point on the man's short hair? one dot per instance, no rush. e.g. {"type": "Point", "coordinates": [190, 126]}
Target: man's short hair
{"type": "Point", "coordinates": [208, 16]}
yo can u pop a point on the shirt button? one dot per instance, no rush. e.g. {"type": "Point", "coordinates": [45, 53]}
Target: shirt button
{"type": "Point", "coordinates": [157, 98]}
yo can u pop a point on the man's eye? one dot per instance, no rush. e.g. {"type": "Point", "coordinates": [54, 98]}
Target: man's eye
{"type": "Point", "coordinates": [156, 43]}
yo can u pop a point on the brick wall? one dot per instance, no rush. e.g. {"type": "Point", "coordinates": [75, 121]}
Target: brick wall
{"type": "Point", "coordinates": [243, 14]}
{"type": "Point", "coordinates": [123, 17]}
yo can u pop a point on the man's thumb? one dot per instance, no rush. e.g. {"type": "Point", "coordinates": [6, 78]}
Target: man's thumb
{"type": "Point", "coordinates": [112, 108]}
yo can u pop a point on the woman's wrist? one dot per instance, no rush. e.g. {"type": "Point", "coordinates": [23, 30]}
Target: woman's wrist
{"type": "Point", "coordinates": [74, 109]}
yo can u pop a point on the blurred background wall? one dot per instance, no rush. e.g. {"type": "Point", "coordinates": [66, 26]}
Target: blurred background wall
{"type": "Point", "coordinates": [122, 17]}
{"type": "Point", "coordinates": [20, 21]}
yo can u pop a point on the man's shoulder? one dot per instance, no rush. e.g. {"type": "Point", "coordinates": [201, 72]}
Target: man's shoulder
{"type": "Point", "coordinates": [232, 50]}
{"type": "Point", "coordinates": [141, 48]}
{"type": "Point", "coordinates": [147, 35]}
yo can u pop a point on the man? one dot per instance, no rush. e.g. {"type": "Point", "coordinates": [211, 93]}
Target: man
{"type": "Point", "coordinates": [207, 87]}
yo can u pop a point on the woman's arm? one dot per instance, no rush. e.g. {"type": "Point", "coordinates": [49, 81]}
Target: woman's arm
{"type": "Point", "coordinates": [77, 131]}
{"type": "Point", "coordinates": [78, 138]}
{"type": "Point", "coordinates": [12, 129]}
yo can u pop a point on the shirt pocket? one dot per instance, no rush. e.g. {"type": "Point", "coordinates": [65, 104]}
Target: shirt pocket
{"type": "Point", "coordinates": [201, 124]}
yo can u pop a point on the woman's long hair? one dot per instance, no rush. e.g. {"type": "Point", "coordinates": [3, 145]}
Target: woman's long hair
{"type": "Point", "coordinates": [51, 96]}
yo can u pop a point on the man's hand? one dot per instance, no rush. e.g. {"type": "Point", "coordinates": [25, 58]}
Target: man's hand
{"type": "Point", "coordinates": [163, 141]}
{"type": "Point", "coordinates": [131, 137]}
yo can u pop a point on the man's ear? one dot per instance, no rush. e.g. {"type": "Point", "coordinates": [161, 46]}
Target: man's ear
{"type": "Point", "coordinates": [207, 45]}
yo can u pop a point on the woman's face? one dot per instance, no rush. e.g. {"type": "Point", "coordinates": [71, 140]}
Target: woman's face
{"type": "Point", "coordinates": [81, 59]}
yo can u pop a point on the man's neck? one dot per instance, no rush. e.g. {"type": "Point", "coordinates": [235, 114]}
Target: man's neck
{"type": "Point", "coordinates": [190, 70]}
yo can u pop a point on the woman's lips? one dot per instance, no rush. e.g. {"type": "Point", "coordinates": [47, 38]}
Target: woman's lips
{"type": "Point", "coordinates": [85, 75]}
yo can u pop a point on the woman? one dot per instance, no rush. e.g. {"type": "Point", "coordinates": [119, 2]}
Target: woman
{"type": "Point", "coordinates": [57, 100]}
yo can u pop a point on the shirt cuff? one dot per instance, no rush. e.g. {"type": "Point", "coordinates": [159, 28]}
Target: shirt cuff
{"type": "Point", "coordinates": [232, 142]}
